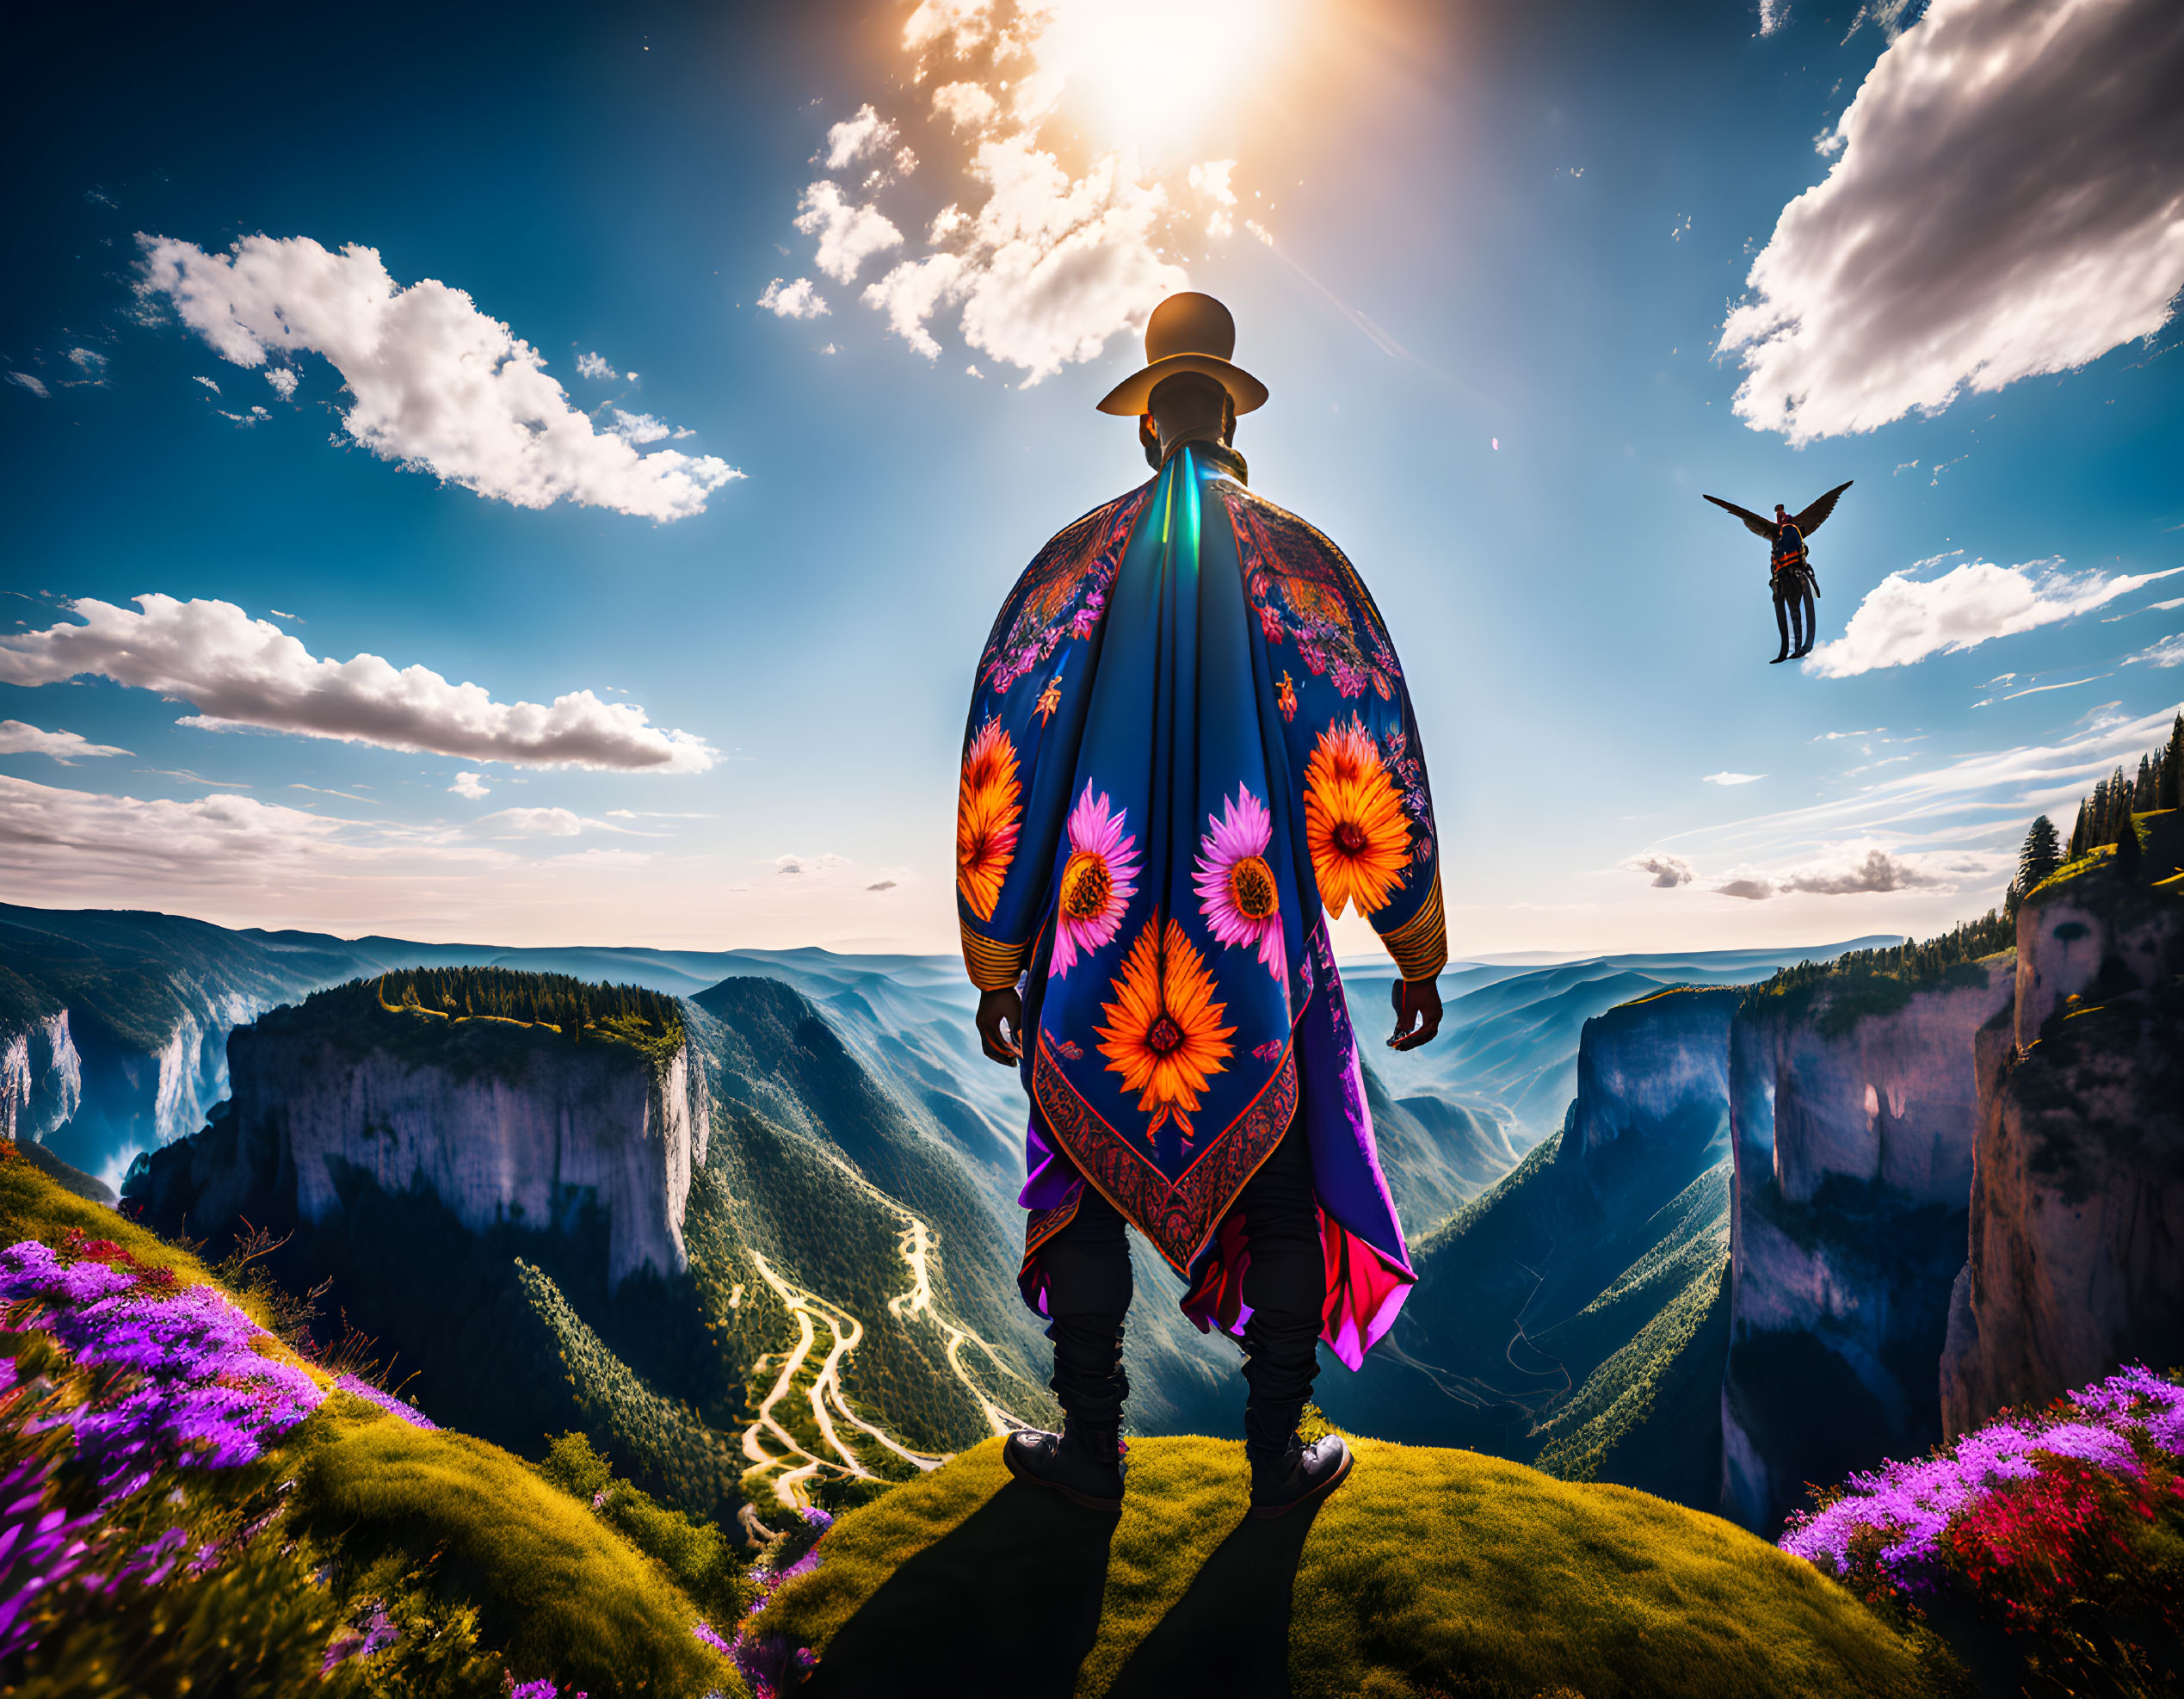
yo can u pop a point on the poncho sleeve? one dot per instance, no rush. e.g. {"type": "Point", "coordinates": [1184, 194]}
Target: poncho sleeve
{"type": "Point", "coordinates": [1355, 755]}
{"type": "Point", "coordinates": [1020, 744]}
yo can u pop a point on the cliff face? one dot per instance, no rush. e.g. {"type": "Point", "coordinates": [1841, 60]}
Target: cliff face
{"type": "Point", "coordinates": [1530, 1299]}
{"type": "Point", "coordinates": [2077, 1214]}
{"type": "Point", "coordinates": [1853, 1105]}
{"type": "Point", "coordinates": [42, 1078]}
{"type": "Point", "coordinates": [502, 1124]}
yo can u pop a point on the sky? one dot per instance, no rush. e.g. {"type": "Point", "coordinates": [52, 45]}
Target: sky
{"type": "Point", "coordinates": [545, 474]}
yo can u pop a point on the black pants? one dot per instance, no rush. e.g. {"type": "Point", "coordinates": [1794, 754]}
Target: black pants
{"type": "Point", "coordinates": [1088, 1287]}
{"type": "Point", "coordinates": [1793, 613]}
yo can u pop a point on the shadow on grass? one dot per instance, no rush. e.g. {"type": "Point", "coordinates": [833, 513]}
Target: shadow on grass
{"type": "Point", "coordinates": [1230, 1633]}
{"type": "Point", "coordinates": [1007, 1603]}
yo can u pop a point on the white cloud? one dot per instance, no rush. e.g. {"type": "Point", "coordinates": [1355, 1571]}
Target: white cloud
{"type": "Point", "coordinates": [1210, 183]}
{"type": "Point", "coordinates": [912, 293]}
{"type": "Point", "coordinates": [848, 236]}
{"type": "Point", "coordinates": [1846, 870]}
{"type": "Point", "coordinates": [2009, 200]}
{"type": "Point", "coordinates": [643, 427]}
{"type": "Point", "coordinates": [853, 138]}
{"type": "Point", "coordinates": [238, 671]}
{"type": "Point", "coordinates": [219, 838]}
{"type": "Point", "coordinates": [799, 299]}
{"type": "Point", "coordinates": [2169, 653]}
{"type": "Point", "coordinates": [438, 386]}
{"type": "Point", "coordinates": [965, 105]}
{"type": "Point", "coordinates": [88, 361]}
{"type": "Point", "coordinates": [528, 823]}
{"type": "Point", "coordinates": [1773, 14]}
{"type": "Point", "coordinates": [210, 385]}
{"type": "Point", "coordinates": [1904, 619]}
{"type": "Point", "coordinates": [283, 381]}
{"type": "Point", "coordinates": [25, 380]}
{"type": "Point", "coordinates": [17, 737]}
{"type": "Point", "coordinates": [797, 866]}
{"type": "Point", "coordinates": [471, 786]}
{"type": "Point", "coordinates": [1048, 269]}
{"type": "Point", "coordinates": [596, 366]}
{"type": "Point", "coordinates": [1732, 778]}
{"type": "Point", "coordinates": [1666, 871]}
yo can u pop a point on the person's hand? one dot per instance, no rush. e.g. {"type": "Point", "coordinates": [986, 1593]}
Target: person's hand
{"type": "Point", "coordinates": [996, 1006]}
{"type": "Point", "coordinates": [1416, 1005]}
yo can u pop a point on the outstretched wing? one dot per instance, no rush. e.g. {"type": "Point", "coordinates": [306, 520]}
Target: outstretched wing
{"type": "Point", "coordinates": [1814, 516]}
{"type": "Point", "coordinates": [1753, 522]}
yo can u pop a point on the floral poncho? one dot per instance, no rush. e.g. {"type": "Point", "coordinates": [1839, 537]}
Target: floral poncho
{"type": "Point", "coordinates": [1189, 743]}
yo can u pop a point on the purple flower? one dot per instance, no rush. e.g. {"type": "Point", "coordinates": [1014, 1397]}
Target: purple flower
{"type": "Point", "coordinates": [385, 1401]}
{"type": "Point", "coordinates": [704, 1632]}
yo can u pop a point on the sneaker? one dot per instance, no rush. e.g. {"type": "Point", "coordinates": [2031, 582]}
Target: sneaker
{"type": "Point", "coordinates": [1299, 1475]}
{"type": "Point", "coordinates": [1084, 1465]}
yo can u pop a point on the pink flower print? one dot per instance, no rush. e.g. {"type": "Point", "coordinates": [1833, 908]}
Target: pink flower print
{"type": "Point", "coordinates": [1088, 616]}
{"type": "Point", "coordinates": [1097, 879]}
{"type": "Point", "coordinates": [1236, 892]}
{"type": "Point", "coordinates": [1270, 623]}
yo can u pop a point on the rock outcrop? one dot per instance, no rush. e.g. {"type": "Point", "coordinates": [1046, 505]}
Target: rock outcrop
{"type": "Point", "coordinates": [2077, 1202]}
{"type": "Point", "coordinates": [1853, 1101]}
{"type": "Point", "coordinates": [504, 1124]}
{"type": "Point", "coordinates": [42, 1078]}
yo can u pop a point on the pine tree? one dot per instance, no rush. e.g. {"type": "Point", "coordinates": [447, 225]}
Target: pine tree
{"type": "Point", "coordinates": [2077, 834]}
{"type": "Point", "coordinates": [2040, 857]}
{"type": "Point", "coordinates": [2128, 852]}
{"type": "Point", "coordinates": [2142, 788]}
{"type": "Point", "coordinates": [2173, 768]}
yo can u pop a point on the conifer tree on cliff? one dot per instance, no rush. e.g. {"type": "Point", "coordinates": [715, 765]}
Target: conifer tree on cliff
{"type": "Point", "coordinates": [2172, 786]}
{"type": "Point", "coordinates": [2040, 856]}
{"type": "Point", "coordinates": [2078, 832]}
{"type": "Point", "coordinates": [2128, 852]}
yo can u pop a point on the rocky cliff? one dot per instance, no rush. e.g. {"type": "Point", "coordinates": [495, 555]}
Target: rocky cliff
{"type": "Point", "coordinates": [1852, 1100]}
{"type": "Point", "coordinates": [504, 1124]}
{"type": "Point", "coordinates": [1530, 1299]}
{"type": "Point", "coordinates": [2077, 1201]}
{"type": "Point", "coordinates": [41, 1076]}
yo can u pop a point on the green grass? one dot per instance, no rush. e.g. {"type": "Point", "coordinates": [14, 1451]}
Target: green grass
{"type": "Point", "coordinates": [561, 1592]}
{"type": "Point", "coordinates": [1428, 1572]}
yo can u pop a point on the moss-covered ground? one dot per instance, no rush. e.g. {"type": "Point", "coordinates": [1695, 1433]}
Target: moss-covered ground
{"type": "Point", "coordinates": [1430, 1573]}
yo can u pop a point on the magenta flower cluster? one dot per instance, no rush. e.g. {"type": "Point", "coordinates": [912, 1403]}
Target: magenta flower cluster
{"type": "Point", "coordinates": [770, 1662]}
{"type": "Point", "coordinates": [198, 1390]}
{"type": "Point", "coordinates": [385, 1401]}
{"type": "Point", "coordinates": [1912, 1506]}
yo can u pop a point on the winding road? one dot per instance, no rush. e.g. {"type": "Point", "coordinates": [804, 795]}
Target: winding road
{"type": "Point", "coordinates": [796, 1464]}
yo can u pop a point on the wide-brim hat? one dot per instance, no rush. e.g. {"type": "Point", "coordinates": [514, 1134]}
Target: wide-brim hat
{"type": "Point", "coordinates": [1188, 332]}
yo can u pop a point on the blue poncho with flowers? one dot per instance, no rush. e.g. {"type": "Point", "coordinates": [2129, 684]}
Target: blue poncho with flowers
{"type": "Point", "coordinates": [1190, 744]}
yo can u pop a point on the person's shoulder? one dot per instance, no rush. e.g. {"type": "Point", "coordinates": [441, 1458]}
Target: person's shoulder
{"type": "Point", "coordinates": [1090, 527]}
{"type": "Point", "coordinates": [1287, 530]}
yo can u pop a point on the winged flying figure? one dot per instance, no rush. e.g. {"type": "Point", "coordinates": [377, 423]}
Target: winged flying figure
{"type": "Point", "coordinates": [1791, 566]}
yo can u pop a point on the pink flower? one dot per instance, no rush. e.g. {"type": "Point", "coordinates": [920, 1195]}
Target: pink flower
{"type": "Point", "coordinates": [1237, 893]}
{"type": "Point", "coordinates": [1096, 879]}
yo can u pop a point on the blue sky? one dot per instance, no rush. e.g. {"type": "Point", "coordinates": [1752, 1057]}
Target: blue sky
{"type": "Point", "coordinates": [1483, 263]}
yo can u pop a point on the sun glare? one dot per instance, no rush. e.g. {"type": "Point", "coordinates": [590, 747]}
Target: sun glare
{"type": "Point", "coordinates": [1165, 76]}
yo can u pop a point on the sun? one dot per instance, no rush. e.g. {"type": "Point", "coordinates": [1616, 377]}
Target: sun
{"type": "Point", "coordinates": [1165, 76]}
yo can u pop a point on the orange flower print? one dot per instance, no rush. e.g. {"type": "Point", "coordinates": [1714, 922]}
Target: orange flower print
{"type": "Point", "coordinates": [989, 815]}
{"type": "Point", "coordinates": [1164, 1035]}
{"type": "Point", "coordinates": [1353, 821]}
{"type": "Point", "coordinates": [1285, 699]}
{"type": "Point", "coordinates": [1049, 699]}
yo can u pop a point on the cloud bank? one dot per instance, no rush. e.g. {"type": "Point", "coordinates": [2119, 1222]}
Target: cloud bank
{"type": "Point", "coordinates": [18, 738]}
{"type": "Point", "coordinates": [438, 387]}
{"type": "Point", "coordinates": [237, 671]}
{"type": "Point", "coordinates": [1843, 870]}
{"type": "Point", "coordinates": [2008, 200]}
{"type": "Point", "coordinates": [1904, 619]}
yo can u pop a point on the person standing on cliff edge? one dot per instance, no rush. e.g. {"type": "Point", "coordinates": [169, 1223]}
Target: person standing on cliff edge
{"type": "Point", "coordinates": [1189, 748]}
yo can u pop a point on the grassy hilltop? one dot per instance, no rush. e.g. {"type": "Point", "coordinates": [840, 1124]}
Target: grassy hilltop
{"type": "Point", "coordinates": [1428, 1572]}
